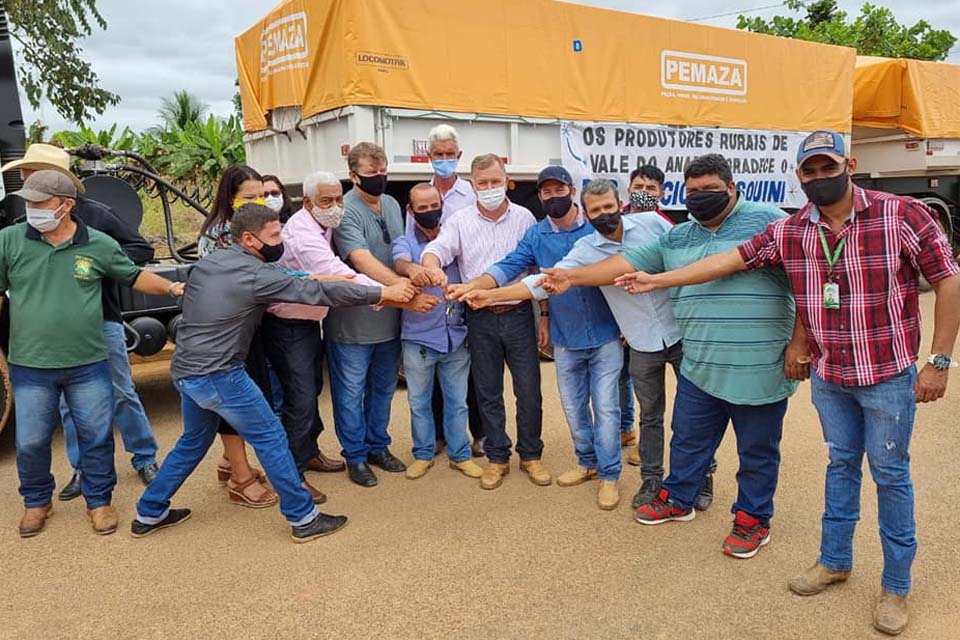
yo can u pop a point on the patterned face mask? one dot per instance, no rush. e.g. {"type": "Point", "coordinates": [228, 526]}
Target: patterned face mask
{"type": "Point", "coordinates": [643, 201]}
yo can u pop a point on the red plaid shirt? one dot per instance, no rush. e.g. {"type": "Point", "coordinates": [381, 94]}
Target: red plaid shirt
{"type": "Point", "coordinates": [875, 334]}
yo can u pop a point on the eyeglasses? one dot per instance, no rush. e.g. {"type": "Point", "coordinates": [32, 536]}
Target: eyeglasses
{"type": "Point", "coordinates": [383, 228]}
{"type": "Point", "coordinates": [273, 194]}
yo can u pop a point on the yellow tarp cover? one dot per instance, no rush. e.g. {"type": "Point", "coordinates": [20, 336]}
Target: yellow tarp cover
{"type": "Point", "coordinates": [536, 58]}
{"type": "Point", "coordinates": [922, 98]}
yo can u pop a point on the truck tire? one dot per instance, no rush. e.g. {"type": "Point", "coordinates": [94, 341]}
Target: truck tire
{"type": "Point", "coordinates": [6, 392]}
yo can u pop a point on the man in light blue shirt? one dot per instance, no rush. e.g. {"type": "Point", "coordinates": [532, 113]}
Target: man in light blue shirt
{"type": "Point", "coordinates": [646, 323]}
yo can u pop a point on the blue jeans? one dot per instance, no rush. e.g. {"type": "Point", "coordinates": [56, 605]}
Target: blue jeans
{"type": "Point", "coordinates": [235, 397]}
{"type": "Point", "coordinates": [135, 429]}
{"type": "Point", "coordinates": [363, 378]}
{"type": "Point", "coordinates": [628, 409]}
{"type": "Point", "coordinates": [89, 393]}
{"type": "Point", "coordinates": [453, 370]}
{"type": "Point", "coordinates": [590, 378]}
{"type": "Point", "coordinates": [699, 423]}
{"type": "Point", "coordinates": [878, 420]}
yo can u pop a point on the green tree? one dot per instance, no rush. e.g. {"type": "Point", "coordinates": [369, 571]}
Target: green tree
{"type": "Point", "coordinates": [180, 109]}
{"type": "Point", "coordinates": [47, 32]}
{"type": "Point", "coordinates": [875, 32]}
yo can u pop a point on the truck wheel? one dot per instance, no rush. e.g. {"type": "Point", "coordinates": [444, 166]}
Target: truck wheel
{"type": "Point", "coordinates": [6, 392]}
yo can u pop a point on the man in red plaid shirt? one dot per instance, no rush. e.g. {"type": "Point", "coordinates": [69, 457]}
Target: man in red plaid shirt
{"type": "Point", "coordinates": [853, 258]}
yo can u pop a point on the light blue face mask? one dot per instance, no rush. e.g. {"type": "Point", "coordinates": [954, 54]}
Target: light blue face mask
{"type": "Point", "coordinates": [445, 168]}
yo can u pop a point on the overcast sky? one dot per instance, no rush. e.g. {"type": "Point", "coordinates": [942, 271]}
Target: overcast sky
{"type": "Point", "coordinates": [152, 48]}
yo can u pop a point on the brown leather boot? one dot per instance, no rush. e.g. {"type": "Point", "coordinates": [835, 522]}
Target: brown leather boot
{"type": "Point", "coordinates": [493, 475]}
{"type": "Point", "coordinates": [891, 615]}
{"type": "Point", "coordinates": [34, 519]}
{"type": "Point", "coordinates": [816, 579]}
{"type": "Point", "coordinates": [323, 464]}
{"type": "Point", "coordinates": [537, 472]}
{"type": "Point", "coordinates": [319, 497]}
{"type": "Point", "coordinates": [103, 519]}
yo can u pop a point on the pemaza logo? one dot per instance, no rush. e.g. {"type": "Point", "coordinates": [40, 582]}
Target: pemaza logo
{"type": "Point", "coordinates": [696, 72]}
{"type": "Point", "coordinates": [283, 43]}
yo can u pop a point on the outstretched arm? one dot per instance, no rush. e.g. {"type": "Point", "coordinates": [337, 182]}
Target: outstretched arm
{"type": "Point", "coordinates": [710, 268]}
{"type": "Point", "coordinates": [481, 298]}
{"type": "Point", "coordinates": [557, 281]}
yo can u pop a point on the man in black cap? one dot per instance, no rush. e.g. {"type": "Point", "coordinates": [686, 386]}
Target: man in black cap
{"type": "Point", "coordinates": [52, 267]}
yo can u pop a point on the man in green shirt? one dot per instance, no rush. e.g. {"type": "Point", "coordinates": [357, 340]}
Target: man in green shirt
{"type": "Point", "coordinates": [51, 267]}
{"type": "Point", "coordinates": [735, 331]}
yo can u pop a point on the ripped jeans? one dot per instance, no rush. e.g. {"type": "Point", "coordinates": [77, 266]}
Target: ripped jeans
{"type": "Point", "coordinates": [876, 420]}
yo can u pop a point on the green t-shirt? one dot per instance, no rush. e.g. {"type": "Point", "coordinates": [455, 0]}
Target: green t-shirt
{"type": "Point", "coordinates": [56, 316]}
{"type": "Point", "coordinates": [734, 329]}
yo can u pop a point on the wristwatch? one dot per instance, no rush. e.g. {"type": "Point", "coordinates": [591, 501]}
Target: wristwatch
{"type": "Point", "coordinates": [942, 361]}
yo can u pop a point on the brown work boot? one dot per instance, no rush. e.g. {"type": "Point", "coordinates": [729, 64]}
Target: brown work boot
{"type": "Point", "coordinates": [493, 475]}
{"type": "Point", "coordinates": [816, 579]}
{"type": "Point", "coordinates": [576, 476]}
{"type": "Point", "coordinates": [318, 497]}
{"type": "Point", "coordinates": [468, 468]}
{"type": "Point", "coordinates": [103, 519]}
{"type": "Point", "coordinates": [633, 457]}
{"type": "Point", "coordinates": [609, 495]}
{"type": "Point", "coordinates": [418, 469]}
{"type": "Point", "coordinates": [628, 438]}
{"type": "Point", "coordinates": [537, 472]}
{"type": "Point", "coordinates": [34, 519]}
{"type": "Point", "coordinates": [891, 615]}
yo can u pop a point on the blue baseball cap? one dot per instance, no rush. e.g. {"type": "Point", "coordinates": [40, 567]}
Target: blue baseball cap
{"type": "Point", "coordinates": [555, 172]}
{"type": "Point", "coordinates": [821, 143]}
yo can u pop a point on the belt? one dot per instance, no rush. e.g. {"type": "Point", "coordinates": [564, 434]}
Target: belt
{"type": "Point", "coordinates": [503, 308]}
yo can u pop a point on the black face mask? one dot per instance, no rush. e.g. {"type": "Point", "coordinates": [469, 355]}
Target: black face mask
{"type": "Point", "coordinates": [270, 252]}
{"type": "Point", "coordinates": [707, 205]}
{"type": "Point", "coordinates": [374, 185]}
{"type": "Point", "coordinates": [557, 207]}
{"type": "Point", "coordinates": [607, 223]}
{"type": "Point", "coordinates": [826, 191]}
{"type": "Point", "coordinates": [428, 219]}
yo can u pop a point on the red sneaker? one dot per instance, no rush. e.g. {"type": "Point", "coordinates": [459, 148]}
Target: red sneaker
{"type": "Point", "coordinates": [747, 537]}
{"type": "Point", "coordinates": [662, 510]}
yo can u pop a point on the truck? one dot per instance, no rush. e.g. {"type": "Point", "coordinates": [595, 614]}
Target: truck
{"type": "Point", "coordinates": [539, 83]}
{"type": "Point", "coordinates": [906, 133]}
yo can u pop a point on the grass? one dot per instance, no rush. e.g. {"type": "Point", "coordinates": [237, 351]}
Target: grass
{"type": "Point", "coordinates": [186, 224]}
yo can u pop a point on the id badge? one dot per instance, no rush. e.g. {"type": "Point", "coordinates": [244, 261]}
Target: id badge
{"type": "Point", "coordinates": [831, 295]}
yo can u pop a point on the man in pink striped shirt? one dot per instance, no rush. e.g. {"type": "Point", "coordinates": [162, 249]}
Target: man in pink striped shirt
{"type": "Point", "coordinates": [291, 332]}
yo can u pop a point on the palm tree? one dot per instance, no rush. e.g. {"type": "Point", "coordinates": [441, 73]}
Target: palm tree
{"type": "Point", "coordinates": [181, 109]}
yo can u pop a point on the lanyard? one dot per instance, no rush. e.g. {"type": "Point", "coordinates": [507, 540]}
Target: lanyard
{"type": "Point", "coordinates": [833, 258]}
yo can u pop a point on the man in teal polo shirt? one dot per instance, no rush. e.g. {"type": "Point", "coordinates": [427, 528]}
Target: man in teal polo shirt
{"type": "Point", "coordinates": [735, 331]}
{"type": "Point", "coordinates": [51, 267]}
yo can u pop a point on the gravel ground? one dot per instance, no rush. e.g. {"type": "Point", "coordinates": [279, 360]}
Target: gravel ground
{"type": "Point", "coordinates": [439, 557]}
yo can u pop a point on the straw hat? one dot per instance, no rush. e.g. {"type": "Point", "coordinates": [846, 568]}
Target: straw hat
{"type": "Point", "coordinates": [45, 156]}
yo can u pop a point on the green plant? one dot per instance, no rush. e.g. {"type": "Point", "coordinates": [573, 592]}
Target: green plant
{"type": "Point", "coordinates": [124, 140]}
{"type": "Point", "coordinates": [182, 108]}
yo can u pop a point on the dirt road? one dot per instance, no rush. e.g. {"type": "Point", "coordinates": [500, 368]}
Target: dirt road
{"type": "Point", "coordinates": [440, 558]}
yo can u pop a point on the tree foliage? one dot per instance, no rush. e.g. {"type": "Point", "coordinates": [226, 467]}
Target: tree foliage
{"type": "Point", "coordinates": [875, 32]}
{"type": "Point", "coordinates": [181, 109]}
{"type": "Point", "coordinates": [48, 32]}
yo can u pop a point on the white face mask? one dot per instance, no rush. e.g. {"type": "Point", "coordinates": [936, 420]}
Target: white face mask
{"type": "Point", "coordinates": [328, 218]}
{"type": "Point", "coordinates": [491, 199]}
{"type": "Point", "coordinates": [275, 203]}
{"type": "Point", "coordinates": [43, 220]}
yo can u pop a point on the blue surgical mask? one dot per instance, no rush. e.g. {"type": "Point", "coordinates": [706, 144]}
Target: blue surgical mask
{"type": "Point", "coordinates": [445, 168]}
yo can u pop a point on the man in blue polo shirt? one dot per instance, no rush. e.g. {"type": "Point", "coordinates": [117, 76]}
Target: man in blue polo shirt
{"type": "Point", "coordinates": [433, 346]}
{"type": "Point", "coordinates": [585, 336]}
{"type": "Point", "coordinates": [735, 331]}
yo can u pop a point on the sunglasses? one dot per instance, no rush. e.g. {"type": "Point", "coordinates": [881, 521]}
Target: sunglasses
{"type": "Point", "coordinates": [272, 194]}
{"type": "Point", "coordinates": [383, 228]}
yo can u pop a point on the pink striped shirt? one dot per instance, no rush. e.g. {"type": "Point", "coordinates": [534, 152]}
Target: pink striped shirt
{"type": "Point", "coordinates": [306, 247]}
{"type": "Point", "coordinates": [476, 242]}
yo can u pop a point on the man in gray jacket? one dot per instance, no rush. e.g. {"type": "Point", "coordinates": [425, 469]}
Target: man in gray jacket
{"type": "Point", "coordinates": [224, 301]}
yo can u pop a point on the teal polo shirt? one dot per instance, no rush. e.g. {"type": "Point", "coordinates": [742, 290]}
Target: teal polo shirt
{"type": "Point", "coordinates": [734, 329]}
{"type": "Point", "coordinates": [56, 315]}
